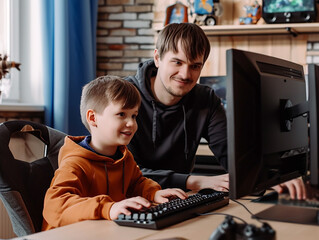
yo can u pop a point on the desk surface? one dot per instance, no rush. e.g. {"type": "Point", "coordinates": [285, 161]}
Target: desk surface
{"type": "Point", "coordinates": [197, 228]}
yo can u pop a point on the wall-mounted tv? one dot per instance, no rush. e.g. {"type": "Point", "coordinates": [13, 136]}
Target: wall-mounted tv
{"type": "Point", "coordinates": [289, 11]}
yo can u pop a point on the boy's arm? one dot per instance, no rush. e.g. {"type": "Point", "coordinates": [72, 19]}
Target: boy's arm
{"type": "Point", "coordinates": [64, 203]}
{"type": "Point", "coordinates": [139, 184]}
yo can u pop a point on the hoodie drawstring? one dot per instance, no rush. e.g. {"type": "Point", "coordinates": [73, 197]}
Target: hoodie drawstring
{"type": "Point", "coordinates": [185, 130]}
{"type": "Point", "coordinates": [123, 177]}
{"type": "Point", "coordinates": [154, 123]}
{"type": "Point", "coordinates": [107, 179]}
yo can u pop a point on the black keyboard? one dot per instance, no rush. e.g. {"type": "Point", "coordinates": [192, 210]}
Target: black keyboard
{"type": "Point", "coordinates": [174, 211]}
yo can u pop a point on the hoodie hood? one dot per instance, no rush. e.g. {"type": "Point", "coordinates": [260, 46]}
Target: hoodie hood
{"type": "Point", "coordinates": [73, 149]}
{"type": "Point", "coordinates": [145, 70]}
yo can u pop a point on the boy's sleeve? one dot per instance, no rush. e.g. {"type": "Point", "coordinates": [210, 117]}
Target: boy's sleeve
{"type": "Point", "coordinates": [140, 185]}
{"type": "Point", "coordinates": [63, 203]}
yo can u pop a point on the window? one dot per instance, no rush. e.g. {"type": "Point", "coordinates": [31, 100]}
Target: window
{"type": "Point", "coordinates": [19, 39]}
{"type": "Point", "coordinates": [4, 27]}
{"type": "Point", "coordinates": [9, 83]}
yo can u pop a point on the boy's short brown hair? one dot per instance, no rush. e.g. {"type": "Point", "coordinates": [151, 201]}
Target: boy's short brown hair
{"type": "Point", "coordinates": [193, 40]}
{"type": "Point", "coordinates": [100, 92]}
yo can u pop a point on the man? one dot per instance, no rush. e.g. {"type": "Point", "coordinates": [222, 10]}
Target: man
{"type": "Point", "coordinates": [176, 113]}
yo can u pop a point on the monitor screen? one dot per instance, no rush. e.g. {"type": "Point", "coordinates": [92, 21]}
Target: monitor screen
{"type": "Point", "coordinates": [265, 147]}
{"type": "Point", "coordinates": [275, 6]}
{"type": "Point", "coordinates": [288, 11]}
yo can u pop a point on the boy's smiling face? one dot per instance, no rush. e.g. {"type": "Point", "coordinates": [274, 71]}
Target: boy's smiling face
{"type": "Point", "coordinates": [114, 127]}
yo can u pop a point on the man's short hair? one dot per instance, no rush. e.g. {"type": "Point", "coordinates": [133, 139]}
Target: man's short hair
{"type": "Point", "coordinates": [193, 40]}
{"type": "Point", "coordinates": [100, 92]}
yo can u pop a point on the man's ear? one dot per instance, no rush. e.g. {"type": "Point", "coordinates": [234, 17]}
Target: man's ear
{"type": "Point", "coordinates": [91, 117]}
{"type": "Point", "coordinates": [156, 58]}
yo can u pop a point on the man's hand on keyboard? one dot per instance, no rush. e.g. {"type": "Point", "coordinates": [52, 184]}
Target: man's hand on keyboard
{"type": "Point", "coordinates": [295, 187]}
{"type": "Point", "coordinates": [166, 195]}
{"type": "Point", "coordinates": [124, 206]}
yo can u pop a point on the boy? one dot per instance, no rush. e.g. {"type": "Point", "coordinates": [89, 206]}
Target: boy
{"type": "Point", "coordinates": [97, 176]}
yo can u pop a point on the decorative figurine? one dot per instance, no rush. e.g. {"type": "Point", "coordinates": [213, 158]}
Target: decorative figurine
{"type": "Point", "coordinates": [6, 65]}
{"type": "Point", "coordinates": [4, 69]}
{"type": "Point", "coordinates": [206, 11]}
{"type": "Point", "coordinates": [253, 14]}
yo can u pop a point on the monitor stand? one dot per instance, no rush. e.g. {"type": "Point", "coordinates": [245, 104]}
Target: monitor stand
{"type": "Point", "coordinates": [292, 214]}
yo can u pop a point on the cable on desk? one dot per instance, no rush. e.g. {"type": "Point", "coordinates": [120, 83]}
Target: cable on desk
{"type": "Point", "coordinates": [224, 214]}
{"type": "Point", "coordinates": [252, 215]}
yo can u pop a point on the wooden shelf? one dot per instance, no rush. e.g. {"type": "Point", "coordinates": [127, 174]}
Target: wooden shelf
{"type": "Point", "coordinates": [262, 29]}
{"type": "Point", "coordinates": [259, 29]}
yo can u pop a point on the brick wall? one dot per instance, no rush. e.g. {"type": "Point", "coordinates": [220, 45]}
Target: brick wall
{"type": "Point", "coordinates": [125, 34]}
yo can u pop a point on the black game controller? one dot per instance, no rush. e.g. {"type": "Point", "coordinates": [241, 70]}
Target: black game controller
{"type": "Point", "coordinates": [229, 230]}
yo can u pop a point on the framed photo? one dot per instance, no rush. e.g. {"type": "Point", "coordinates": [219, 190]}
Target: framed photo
{"type": "Point", "coordinates": [176, 13]}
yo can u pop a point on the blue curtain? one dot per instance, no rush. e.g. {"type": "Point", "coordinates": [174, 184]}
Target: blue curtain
{"type": "Point", "coordinates": [69, 38]}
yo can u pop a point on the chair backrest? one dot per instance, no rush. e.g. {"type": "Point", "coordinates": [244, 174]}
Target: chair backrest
{"type": "Point", "coordinates": [23, 183]}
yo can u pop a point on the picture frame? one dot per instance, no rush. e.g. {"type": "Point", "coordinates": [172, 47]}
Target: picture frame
{"type": "Point", "coordinates": [176, 13]}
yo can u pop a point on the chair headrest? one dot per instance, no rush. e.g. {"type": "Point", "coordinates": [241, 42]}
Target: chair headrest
{"type": "Point", "coordinates": [37, 129]}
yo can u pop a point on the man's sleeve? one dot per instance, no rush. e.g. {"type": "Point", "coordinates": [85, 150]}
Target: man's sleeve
{"type": "Point", "coordinates": [217, 133]}
{"type": "Point", "coordinates": [166, 178]}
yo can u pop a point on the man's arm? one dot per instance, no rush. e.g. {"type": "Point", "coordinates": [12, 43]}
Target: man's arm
{"type": "Point", "coordinates": [219, 183]}
{"type": "Point", "coordinates": [166, 178]}
{"type": "Point", "coordinates": [216, 133]}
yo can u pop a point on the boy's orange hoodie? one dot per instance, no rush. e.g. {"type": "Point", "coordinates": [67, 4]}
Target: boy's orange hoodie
{"type": "Point", "coordinates": [86, 185]}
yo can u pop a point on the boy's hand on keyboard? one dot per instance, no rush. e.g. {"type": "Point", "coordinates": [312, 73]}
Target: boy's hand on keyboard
{"type": "Point", "coordinates": [124, 206]}
{"type": "Point", "coordinates": [166, 195]}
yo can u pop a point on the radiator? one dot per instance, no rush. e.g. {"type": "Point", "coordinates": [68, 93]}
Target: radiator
{"type": "Point", "coordinates": [5, 224]}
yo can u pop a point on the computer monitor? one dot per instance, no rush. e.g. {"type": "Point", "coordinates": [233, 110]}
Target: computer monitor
{"type": "Point", "coordinates": [267, 128]}
{"type": "Point", "coordinates": [261, 153]}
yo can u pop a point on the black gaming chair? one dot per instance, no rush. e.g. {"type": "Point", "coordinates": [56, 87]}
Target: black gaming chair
{"type": "Point", "coordinates": [23, 182]}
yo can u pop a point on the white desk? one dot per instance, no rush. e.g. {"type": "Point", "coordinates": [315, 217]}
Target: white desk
{"type": "Point", "coordinates": [197, 228]}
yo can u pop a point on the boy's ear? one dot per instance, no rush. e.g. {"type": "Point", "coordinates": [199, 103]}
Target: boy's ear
{"type": "Point", "coordinates": [91, 117]}
{"type": "Point", "coordinates": [156, 58]}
